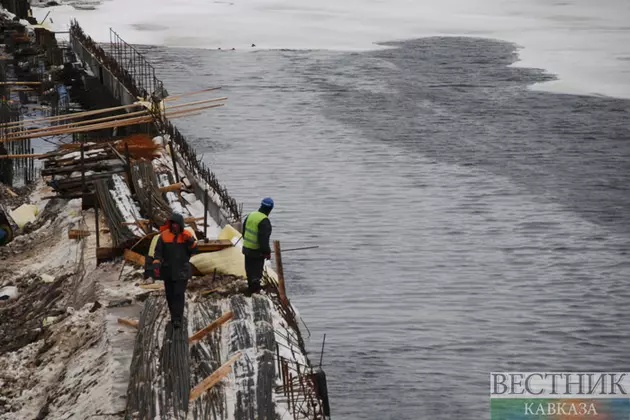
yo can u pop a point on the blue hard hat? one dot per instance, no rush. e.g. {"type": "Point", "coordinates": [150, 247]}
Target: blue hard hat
{"type": "Point", "coordinates": [267, 202]}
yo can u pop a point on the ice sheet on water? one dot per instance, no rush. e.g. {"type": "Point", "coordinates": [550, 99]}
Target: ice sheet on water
{"type": "Point", "coordinates": [582, 41]}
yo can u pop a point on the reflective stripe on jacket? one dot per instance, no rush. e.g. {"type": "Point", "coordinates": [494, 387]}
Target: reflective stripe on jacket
{"type": "Point", "coordinates": [250, 232]}
{"type": "Point", "coordinates": [173, 252]}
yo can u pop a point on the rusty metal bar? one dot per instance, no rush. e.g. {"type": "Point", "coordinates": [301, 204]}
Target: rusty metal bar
{"type": "Point", "coordinates": [98, 242]}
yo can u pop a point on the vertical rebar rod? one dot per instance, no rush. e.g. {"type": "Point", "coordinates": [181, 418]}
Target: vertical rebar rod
{"type": "Point", "coordinates": [128, 168]}
{"type": "Point", "coordinates": [150, 224]}
{"type": "Point", "coordinates": [83, 168]}
{"type": "Point", "coordinates": [321, 357]}
{"type": "Point", "coordinates": [98, 242]}
{"type": "Point", "coordinates": [172, 147]}
{"type": "Point", "coordinates": [205, 215]}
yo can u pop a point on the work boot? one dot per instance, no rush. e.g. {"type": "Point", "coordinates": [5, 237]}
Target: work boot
{"type": "Point", "coordinates": [254, 288]}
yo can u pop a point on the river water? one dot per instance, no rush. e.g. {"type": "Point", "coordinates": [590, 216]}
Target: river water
{"type": "Point", "coordinates": [466, 224]}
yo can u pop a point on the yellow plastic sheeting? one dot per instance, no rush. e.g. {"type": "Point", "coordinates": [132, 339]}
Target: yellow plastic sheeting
{"type": "Point", "coordinates": [156, 237]}
{"type": "Point", "coordinates": [191, 231]}
{"type": "Point", "coordinates": [24, 214]}
{"type": "Point", "coordinates": [226, 261]}
{"type": "Point", "coordinates": [229, 233]}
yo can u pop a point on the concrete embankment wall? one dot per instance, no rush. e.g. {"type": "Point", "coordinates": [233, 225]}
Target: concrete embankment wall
{"type": "Point", "coordinates": [103, 74]}
{"type": "Point", "coordinates": [127, 84]}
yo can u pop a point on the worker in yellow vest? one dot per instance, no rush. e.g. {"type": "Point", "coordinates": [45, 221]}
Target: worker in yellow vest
{"type": "Point", "coordinates": [256, 233]}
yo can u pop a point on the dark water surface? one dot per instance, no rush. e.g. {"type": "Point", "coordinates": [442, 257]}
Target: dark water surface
{"type": "Point", "coordinates": [466, 224]}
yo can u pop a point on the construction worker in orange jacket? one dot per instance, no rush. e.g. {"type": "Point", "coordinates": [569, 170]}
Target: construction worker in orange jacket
{"type": "Point", "coordinates": [171, 263]}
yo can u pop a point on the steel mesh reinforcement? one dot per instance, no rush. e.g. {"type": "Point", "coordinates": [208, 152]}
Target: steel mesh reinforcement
{"type": "Point", "coordinates": [121, 234]}
{"type": "Point", "coordinates": [149, 196]}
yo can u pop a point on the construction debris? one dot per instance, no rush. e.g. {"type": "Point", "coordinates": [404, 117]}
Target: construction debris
{"type": "Point", "coordinates": [131, 185]}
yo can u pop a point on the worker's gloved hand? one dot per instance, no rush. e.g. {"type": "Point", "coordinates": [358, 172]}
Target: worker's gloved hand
{"type": "Point", "coordinates": [156, 270]}
{"type": "Point", "coordinates": [267, 256]}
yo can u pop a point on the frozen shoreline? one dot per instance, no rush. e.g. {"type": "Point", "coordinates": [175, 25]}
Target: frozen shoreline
{"type": "Point", "coordinates": [583, 43]}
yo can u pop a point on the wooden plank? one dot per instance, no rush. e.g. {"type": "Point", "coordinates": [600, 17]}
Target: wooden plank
{"type": "Point", "coordinates": [11, 82]}
{"type": "Point", "coordinates": [280, 272]}
{"type": "Point", "coordinates": [211, 327]}
{"type": "Point", "coordinates": [214, 245]}
{"type": "Point", "coordinates": [188, 104]}
{"type": "Point", "coordinates": [69, 116]}
{"type": "Point", "coordinates": [105, 165]}
{"type": "Point", "coordinates": [152, 286]}
{"type": "Point", "coordinates": [186, 220]}
{"type": "Point", "coordinates": [107, 254]}
{"type": "Point", "coordinates": [71, 147]}
{"type": "Point", "coordinates": [70, 162]}
{"type": "Point", "coordinates": [112, 118]}
{"type": "Point", "coordinates": [134, 257]}
{"type": "Point", "coordinates": [98, 126]}
{"type": "Point", "coordinates": [173, 187]}
{"type": "Point", "coordinates": [191, 110]}
{"type": "Point", "coordinates": [130, 322]}
{"type": "Point", "coordinates": [117, 153]}
{"type": "Point", "coordinates": [196, 272]}
{"type": "Point", "coordinates": [181, 95]}
{"type": "Point", "coordinates": [26, 155]}
{"type": "Point", "coordinates": [78, 234]}
{"type": "Point", "coordinates": [213, 379]}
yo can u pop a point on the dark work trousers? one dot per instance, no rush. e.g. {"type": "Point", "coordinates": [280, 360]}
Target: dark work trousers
{"type": "Point", "coordinates": [175, 288]}
{"type": "Point", "coordinates": [254, 270]}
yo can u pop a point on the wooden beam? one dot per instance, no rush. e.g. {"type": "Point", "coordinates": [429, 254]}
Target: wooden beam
{"type": "Point", "coordinates": [130, 322]}
{"type": "Point", "coordinates": [189, 110]}
{"type": "Point", "coordinates": [99, 126]}
{"type": "Point", "coordinates": [214, 245]}
{"type": "Point", "coordinates": [74, 147]}
{"type": "Point", "coordinates": [27, 155]}
{"type": "Point", "coordinates": [213, 379]}
{"type": "Point", "coordinates": [152, 286]}
{"type": "Point", "coordinates": [107, 254]}
{"type": "Point", "coordinates": [70, 116]}
{"type": "Point", "coordinates": [173, 187]}
{"type": "Point", "coordinates": [186, 220]}
{"type": "Point", "coordinates": [117, 117]}
{"type": "Point", "coordinates": [211, 327]}
{"type": "Point", "coordinates": [280, 272]}
{"type": "Point", "coordinates": [10, 82]}
{"type": "Point", "coordinates": [181, 95]}
{"type": "Point", "coordinates": [78, 234]}
{"type": "Point", "coordinates": [134, 257]}
{"type": "Point", "coordinates": [205, 101]}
